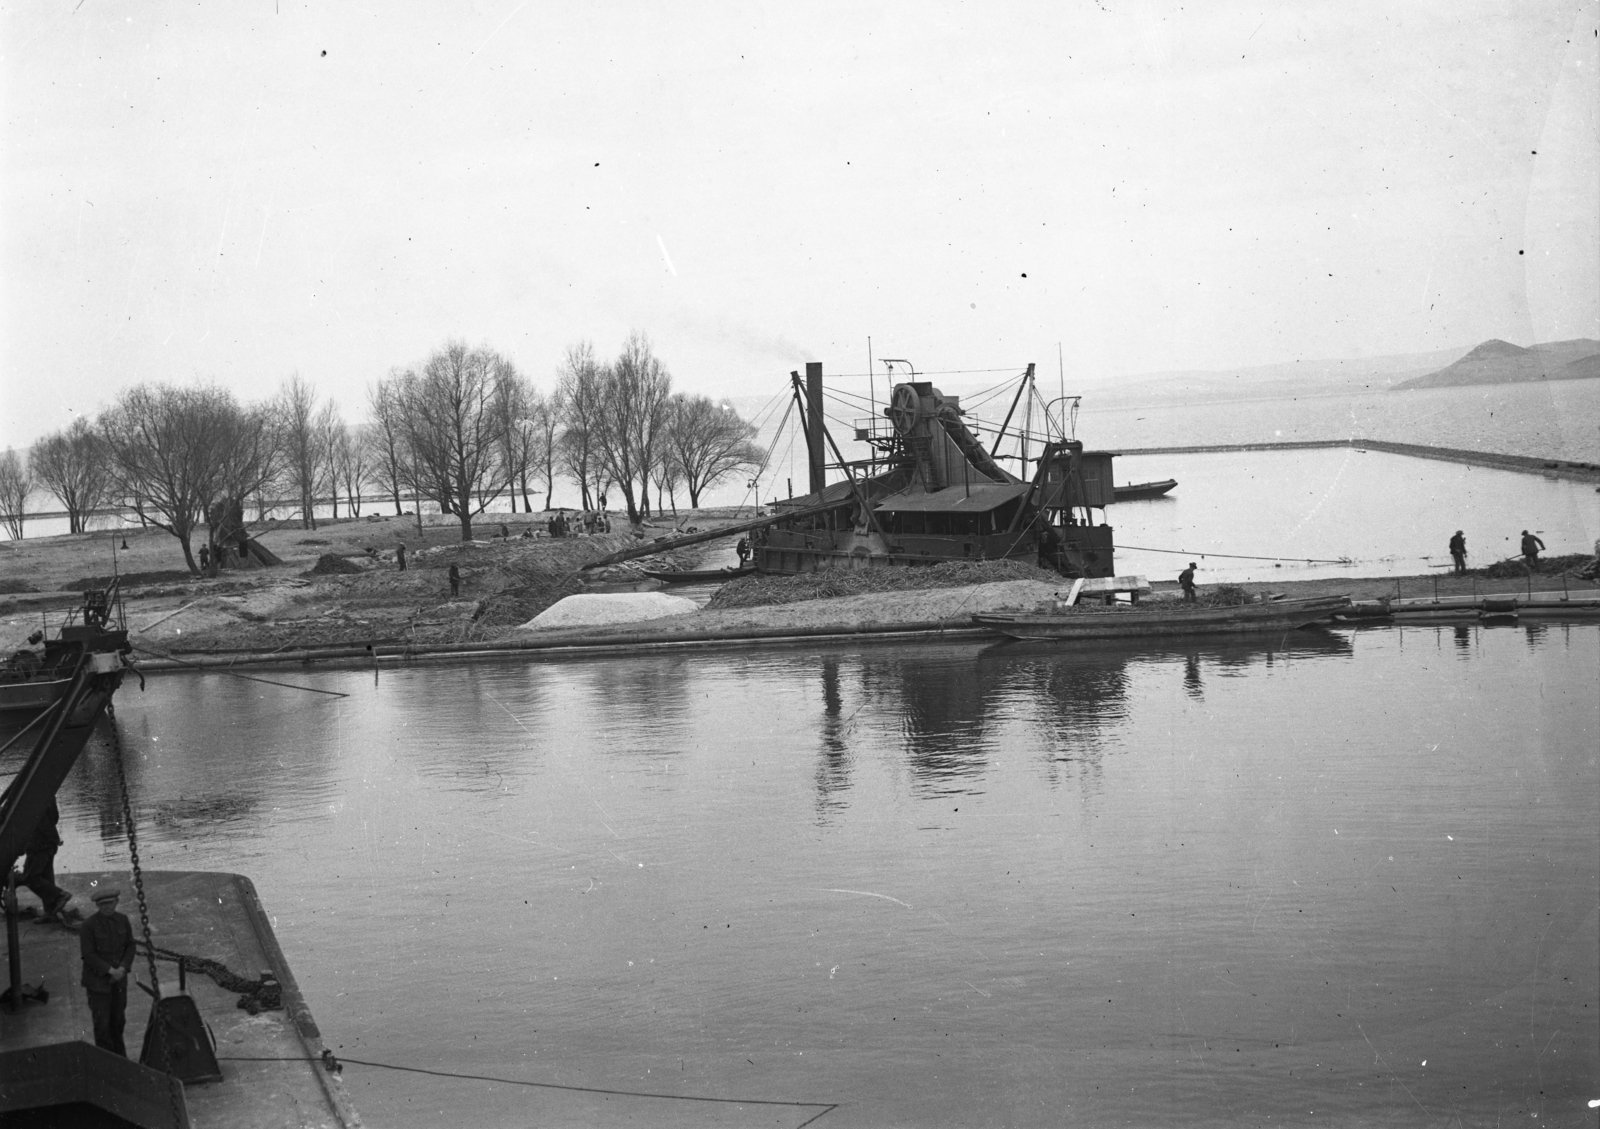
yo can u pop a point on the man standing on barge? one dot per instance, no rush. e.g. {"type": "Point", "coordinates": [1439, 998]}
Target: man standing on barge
{"type": "Point", "coordinates": [1458, 551]}
{"type": "Point", "coordinates": [105, 940]}
{"type": "Point", "coordinates": [1186, 582]}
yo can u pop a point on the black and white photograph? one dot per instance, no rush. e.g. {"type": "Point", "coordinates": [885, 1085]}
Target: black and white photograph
{"type": "Point", "coordinates": [805, 566]}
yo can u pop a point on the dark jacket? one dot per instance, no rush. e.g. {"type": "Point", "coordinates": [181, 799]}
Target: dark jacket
{"type": "Point", "coordinates": [46, 838]}
{"type": "Point", "coordinates": [106, 943]}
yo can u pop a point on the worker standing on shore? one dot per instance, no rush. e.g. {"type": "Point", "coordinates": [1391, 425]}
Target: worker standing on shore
{"type": "Point", "coordinates": [1186, 582]}
{"type": "Point", "coordinates": [1458, 551]}
{"type": "Point", "coordinates": [400, 556]}
{"type": "Point", "coordinates": [105, 941]}
{"type": "Point", "coordinates": [455, 579]}
{"type": "Point", "coordinates": [1530, 550]}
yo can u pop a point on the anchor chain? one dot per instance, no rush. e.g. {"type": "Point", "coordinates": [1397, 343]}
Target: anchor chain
{"type": "Point", "coordinates": [144, 908]}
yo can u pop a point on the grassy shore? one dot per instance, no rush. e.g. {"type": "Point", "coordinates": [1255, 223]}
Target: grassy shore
{"type": "Point", "coordinates": [339, 586]}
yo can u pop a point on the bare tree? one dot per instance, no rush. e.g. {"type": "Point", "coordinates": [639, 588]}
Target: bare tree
{"type": "Point", "coordinates": [392, 464]}
{"type": "Point", "coordinates": [516, 405]}
{"type": "Point", "coordinates": [450, 420]}
{"type": "Point", "coordinates": [347, 465]}
{"type": "Point", "coordinates": [72, 465]}
{"type": "Point", "coordinates": [578, 393]}
{"type": "Point", "coordinates": [15, 486]}
{"type": "Point", "coordinates": [709, 442]}
{"type": "Point", "coordinates": [546, 422]}
{"type": "Point", "coordinates": [329, 428]}
{"type": "Point", "coordinates": [634, 394]}
{"type": "Point", "coordinates": [186, 452]}
{"type": "Point", "coordinates": [297, 409]}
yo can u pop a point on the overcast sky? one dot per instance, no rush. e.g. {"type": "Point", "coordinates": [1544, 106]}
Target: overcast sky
{"type": "Point", "coordinates": [240, 191]}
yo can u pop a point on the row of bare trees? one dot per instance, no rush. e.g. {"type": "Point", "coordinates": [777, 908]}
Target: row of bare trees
{"type": "Point", "coordinates": [461, 429]}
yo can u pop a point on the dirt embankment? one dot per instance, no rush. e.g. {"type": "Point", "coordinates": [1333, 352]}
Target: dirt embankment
{"type": "Point", "coordinates": [339, 584]}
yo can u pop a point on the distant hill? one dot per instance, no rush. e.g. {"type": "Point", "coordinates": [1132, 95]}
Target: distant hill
{"type": "Point", "coordinates": [1500, 362]}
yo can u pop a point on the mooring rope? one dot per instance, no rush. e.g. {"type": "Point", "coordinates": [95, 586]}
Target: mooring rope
{"type": "Point", "coordinates": [236, 674]}
{"type": "Point", "coordinates": [1235, 556]}
{"type": "Point", "coordinates": [334, 1062]}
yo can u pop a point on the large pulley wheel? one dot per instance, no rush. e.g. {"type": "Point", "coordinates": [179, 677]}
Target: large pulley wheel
{"type": "Point", "coordinates": [904, 407]}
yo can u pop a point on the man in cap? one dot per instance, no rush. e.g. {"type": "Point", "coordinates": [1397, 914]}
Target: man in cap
{"type": "Point", "coordinates": [1530, 550]}
{"type": "Point", "coordinates": [1458, 552]}
{"type": "Point", "coordinates": [106, 942]}
{"type": "Point", "coordinates": [1186, 582]}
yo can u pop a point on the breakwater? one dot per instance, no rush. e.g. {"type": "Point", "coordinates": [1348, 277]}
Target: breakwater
{"type": "Point", "coordinates": [1520, 464]}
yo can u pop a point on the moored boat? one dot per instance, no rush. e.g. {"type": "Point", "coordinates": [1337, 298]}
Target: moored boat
{"type": "Point", "coordinates": [700, 576]}
{"type": "Point", "coordinates": [1168, 621]}
{"type": "Point", "coordinates": [1139, 491]}
{"type": "Point", "coordinates": [36, 678]}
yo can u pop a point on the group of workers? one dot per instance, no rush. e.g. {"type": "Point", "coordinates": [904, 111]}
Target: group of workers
{"type": "Point", "coordinates": [105, 939]}
{"type": "Point", "coordinates": [1530, 547]}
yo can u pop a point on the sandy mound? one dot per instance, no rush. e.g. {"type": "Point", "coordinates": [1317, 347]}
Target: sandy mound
{"type": "Point", "coordinates": [592, 608]}
{"type": "Point", "coordinates": [331, 564]}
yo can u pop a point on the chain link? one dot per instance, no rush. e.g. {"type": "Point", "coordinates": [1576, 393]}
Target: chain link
{"type": "Point", "coordinates": [156, 1012]}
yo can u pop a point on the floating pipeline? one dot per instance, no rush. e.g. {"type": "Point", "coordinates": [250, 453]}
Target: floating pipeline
{"type": "Point", "coordinates": [622, 642]}
{"type": "Point", "coordinates": [1501, 603]}
{"type": "Point", "coordinates": [1520, 464]}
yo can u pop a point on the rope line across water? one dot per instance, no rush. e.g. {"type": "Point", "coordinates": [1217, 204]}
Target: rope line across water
{"type": "Point", "coordinates": [1234, 556]}
{"type": "Point", "coordinates": [826, 1107]}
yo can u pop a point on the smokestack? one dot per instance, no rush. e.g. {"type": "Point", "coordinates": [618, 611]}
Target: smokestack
{"type": "Point", "coordinates": [814, 440]}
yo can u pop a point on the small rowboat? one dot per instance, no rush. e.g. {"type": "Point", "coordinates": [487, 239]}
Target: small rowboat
{"type": "Point", "coordinates": [1138, 491]}
{"type": "Point", "coordinates": [1173, 620]}
{"type": "Point", "coordinates": [704, 576]}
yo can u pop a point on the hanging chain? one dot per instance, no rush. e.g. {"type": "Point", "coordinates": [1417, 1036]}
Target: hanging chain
{"type": "Point", "coordinates": [157, 1015]}
{"type": "Point", "coordinates": [133, 849]}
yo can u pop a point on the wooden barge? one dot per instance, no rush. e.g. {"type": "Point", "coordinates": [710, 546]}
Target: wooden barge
{"type": "Point", "coordinates": [1165, 622]}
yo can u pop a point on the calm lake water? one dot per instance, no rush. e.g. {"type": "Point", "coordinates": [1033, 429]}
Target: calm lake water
{"type": "Point", "coordinates": [1345, 878]}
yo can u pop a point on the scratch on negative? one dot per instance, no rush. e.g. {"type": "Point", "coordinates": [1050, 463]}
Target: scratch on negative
{"type": "Point", "coordinates": [868, 894]}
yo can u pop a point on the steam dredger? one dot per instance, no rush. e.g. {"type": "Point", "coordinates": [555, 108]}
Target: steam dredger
{"type": "Point", "coordinates": [932, 491]}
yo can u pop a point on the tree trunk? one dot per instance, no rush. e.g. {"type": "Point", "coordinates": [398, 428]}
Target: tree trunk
{"type": "Point", "coordinates": [399, 510]}
{"type": "Point", "coordinates": [188, 555]}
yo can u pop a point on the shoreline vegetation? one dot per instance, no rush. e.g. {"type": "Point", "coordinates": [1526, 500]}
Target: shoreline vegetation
{"type": "Point", "coordinates": [339, 596]}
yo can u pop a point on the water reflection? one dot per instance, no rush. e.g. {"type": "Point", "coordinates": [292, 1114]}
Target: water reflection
{"type": "Point", "coordinates": [950, 711]}
{"type": "Point", "coordinates": [1324, 856]}
{"type": "Point", "coordinates": [833, 761]}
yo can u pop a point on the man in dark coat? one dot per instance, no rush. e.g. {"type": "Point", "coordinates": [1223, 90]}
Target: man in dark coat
{"type": "Point", "coordinates": [400, 557]}
{"type": "Point", "coordinates": [1458, 551]}
{"type": "Point", "coordinates": [1530, 550]}
{"type": "Point", "coordinates": [39, 868]}
{"type": "Point", "coordinates": [455, 579]}
{"type": "Point", "coordinates": [105, 941]}
{"type": "Point", "coordinates": [1186, 582]}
